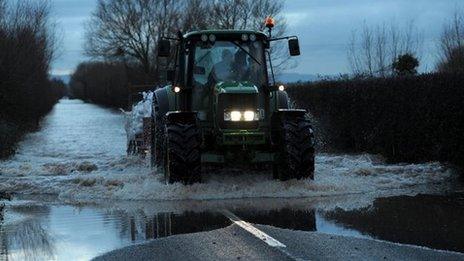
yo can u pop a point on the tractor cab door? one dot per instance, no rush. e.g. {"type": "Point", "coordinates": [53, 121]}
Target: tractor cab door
{"type": "Point", "coordinates": [202, 93]}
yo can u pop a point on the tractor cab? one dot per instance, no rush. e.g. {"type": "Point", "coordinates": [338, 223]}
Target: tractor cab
{"type": "Point", "coordinates": [230, 57]}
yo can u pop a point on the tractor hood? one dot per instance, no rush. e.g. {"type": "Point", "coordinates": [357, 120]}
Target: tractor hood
{"type": "Point", "coordinates": [234, 87]}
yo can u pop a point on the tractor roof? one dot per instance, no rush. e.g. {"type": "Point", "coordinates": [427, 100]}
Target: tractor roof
{"type": "Point", "coordinates": [224, 32]}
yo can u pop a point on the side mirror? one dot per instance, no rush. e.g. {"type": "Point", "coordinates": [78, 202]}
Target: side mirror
{"type": "Point", "coordinates": [164, 48]}
{"type": "Point", "coordinates": [294, 47]}
{"type": "Point", "coordinates": [170, 75]}
{"type": "Point", "coordinates": [199, 70]}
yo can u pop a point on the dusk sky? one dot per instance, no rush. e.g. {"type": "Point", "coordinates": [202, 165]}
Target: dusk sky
{"type": "Point", "coordinates": [323, 26]}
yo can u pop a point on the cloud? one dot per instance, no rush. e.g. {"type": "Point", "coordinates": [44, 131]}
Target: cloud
{"type": "Point", "coordinates": [324, 27]}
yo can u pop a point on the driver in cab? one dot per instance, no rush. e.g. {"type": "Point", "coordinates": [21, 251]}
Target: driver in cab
{"type": "Point", "coordinates": [230, 67]}
{"type": "Point", "coordinates": [222, 70]}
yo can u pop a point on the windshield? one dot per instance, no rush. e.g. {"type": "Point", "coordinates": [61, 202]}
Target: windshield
{"type": "Point", "coordinates": [226, 61]}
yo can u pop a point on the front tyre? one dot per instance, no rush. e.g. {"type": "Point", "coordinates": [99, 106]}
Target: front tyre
{"type": "Point", "coordinates": [295, 157]}
{"type": "Point", "coordinates": [183, 158]}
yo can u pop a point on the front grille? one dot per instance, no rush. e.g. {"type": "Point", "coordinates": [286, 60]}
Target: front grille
{"type": "Point", "coordinates": [252, 138]}
{"type": "Point", "coordinates": [239, 102]}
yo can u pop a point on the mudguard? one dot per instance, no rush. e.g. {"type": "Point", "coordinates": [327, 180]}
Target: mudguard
{"type": "Point", "coordinates": [288, 113]}
{"type": "Point", "coordinates": [186, 117]}
{"type": "Point", "coordinates": [161, 96]}
{"type": "Point", "coordinates": [283, 100]}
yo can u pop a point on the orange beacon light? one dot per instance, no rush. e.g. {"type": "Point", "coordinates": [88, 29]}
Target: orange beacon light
{"type": "Point", "coordinates": [269, 22]}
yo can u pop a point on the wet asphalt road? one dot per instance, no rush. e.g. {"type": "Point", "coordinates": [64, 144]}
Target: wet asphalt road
{"type": "Point", "coordinates": [393, 228]}
{"type": "Point", "coordinates": [234, 243]}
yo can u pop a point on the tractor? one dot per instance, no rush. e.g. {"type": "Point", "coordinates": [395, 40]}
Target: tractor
{"type": "Point", "coordinates": [221, 108]}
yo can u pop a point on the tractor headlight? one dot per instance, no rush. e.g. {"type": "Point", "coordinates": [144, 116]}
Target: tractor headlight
{"type": "Point", "coordinates": [249, 115]}
{"type": "Point", "coordinates": [241, 115]}
{"type": "Point", "coordinates": [235, 116]}
{"type": "Point", "coordinates": [232, 116]}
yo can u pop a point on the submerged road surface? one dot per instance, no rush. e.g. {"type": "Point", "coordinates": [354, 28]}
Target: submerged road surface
{"type": "Point", "coordinates": [77, 195]}
{"type": "Point", "coordinates": [234, 243]}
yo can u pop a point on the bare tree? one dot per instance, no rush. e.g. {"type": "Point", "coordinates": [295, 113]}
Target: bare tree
{"type": "Point", "coordinates": [120, 28]}
{"type": "Point", "coordinates": [451, 45]}
{"type": "Point", "coordinates": [194, 17]}
{"type": "Point", "coordinates": [130, 29]}
{"type": "Point", "coordinates": [228, 14]}
{"type": "Point", "coordinates": [250, 14]}
{"type": "Point", "coordinates": [373, 50]}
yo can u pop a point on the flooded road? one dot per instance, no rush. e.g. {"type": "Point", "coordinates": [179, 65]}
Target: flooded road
{"type": "Point", "coordinates": [77, 195]}
{"type": "Point", "coordinates": [49, 229]}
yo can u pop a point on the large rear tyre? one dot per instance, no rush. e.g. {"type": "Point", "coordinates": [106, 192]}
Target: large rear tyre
{"type": "Point", "coordinates": [295, 158]}
{"type": "Point", "coordinates": [183, 157]}
{"type": "Point", "coordinates": [157, 146]}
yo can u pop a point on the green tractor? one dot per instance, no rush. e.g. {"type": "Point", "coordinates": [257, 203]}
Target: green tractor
{"type": "Point", "coordinates": [222, 109]}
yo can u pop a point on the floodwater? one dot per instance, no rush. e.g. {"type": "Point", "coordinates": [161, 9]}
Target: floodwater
{"type": "Point", "coordinates": [52, 230]}
{"type": "Point", "coordinates": [77, 195]}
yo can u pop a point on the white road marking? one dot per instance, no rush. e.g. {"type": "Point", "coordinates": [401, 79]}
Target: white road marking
{"type": "Point", "coordinates": [253, 230]}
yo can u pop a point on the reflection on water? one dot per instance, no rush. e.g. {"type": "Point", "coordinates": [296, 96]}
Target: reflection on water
{"type": "Point", "coordinates": [28, 239]}
{"type": "Point", "coordinates": [67, 232]}
{"type": "Point", "coordinates": [296, 219]}
{"type": "Point", "coordinates": [431, 221]}
{"type": "Point", "coordinates": [167, 224]}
